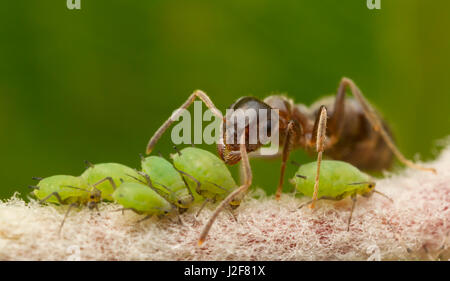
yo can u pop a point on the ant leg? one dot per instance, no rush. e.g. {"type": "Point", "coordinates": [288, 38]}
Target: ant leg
{"type": "Point", "coordinates": [197, 94]}
{"type": "Point", "coordinates": [320, 140]}
{"type": "Point", "coordinates": [351, 212]}
{"type": "Point", "coordinates": [65, 216]}
{"type": "Point", "coordinates": [290, 132]}
{"type": "Point", "coordinates": [242, 189]}
{"type": "Point", "coordinates": [373, 118]}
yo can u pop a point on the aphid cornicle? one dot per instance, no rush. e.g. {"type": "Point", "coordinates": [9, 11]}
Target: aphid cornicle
{"type": "Point", "coordinates": [338, 180]}
{"type": "Point", "coordinates": [116, 171]}
{"type": "Point", "coordinates": [205, 174]}
{"type": "Point", "coordinates": [142, 199]}
{"type": "Point", "coordinates": [168, 181]}
{"type": "Point", "coordinates": [70, 190]}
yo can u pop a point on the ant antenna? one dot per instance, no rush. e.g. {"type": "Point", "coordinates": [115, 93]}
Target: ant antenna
{"type": "Point", "coordinates": [160, 154]}
{"type": "Point", "coordinates": [141, 156]}
{"type": "Point", "coordinates": [176, 149]}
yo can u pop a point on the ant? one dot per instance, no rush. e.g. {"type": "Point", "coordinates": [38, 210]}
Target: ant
{"type": "Point", "coordinates": [355, 134]}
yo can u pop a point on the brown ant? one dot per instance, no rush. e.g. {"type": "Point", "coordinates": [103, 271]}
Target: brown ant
{"type": "Point", "coordinates": [355, 134]}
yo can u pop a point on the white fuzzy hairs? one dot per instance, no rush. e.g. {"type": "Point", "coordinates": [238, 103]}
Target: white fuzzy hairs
{"type": "Point", "coordinates": [415, 226]}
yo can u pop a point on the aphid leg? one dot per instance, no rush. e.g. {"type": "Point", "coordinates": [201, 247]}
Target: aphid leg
{"type": "Point", "coordinates": [306, 203]}
{"type": "Point", "coordinates": [123, 210]}
{"type": "Point", "coordinates": [242, 189]}
{"type": "Point", "coordinates": [202, 207]}
{"type": "Point", "coordinates": [338, 115]}
{"type": "Point", "coordinates": [351, 212]}
{"type": "Point", "coordinates": [177, 212]}
{"type": "Point", "coordinates": [65, 216]}
{"type": "Point", "coordinates": [320, 143]}
{"type": "Point", "coordinates": [290, 133]}
{"type": "Point", "coordinates": [197, 94]}
{"type": "Point", "coordinates": [111, 181]}
{"type": "Point", "coordinates": [230, 211]}
{"type": "Point", "coordinates": [144, 219]}
{"type": "Point", "coordinates": [56, 194]}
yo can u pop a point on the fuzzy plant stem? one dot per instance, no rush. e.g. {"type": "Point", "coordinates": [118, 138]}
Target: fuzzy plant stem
{"type": "Point", "coordinates": [416, 225]}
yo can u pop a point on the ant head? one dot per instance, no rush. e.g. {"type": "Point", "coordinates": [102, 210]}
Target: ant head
{"type": "Point", "coordinates": [248, 116]}
{"type": "Point", "coordinates": [95, 196]}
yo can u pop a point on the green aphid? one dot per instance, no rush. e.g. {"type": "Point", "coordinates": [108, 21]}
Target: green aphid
{"type": "Point", "coordinates": [62, 189]}
{"type": "Point", "coordinates": [69, 190]}
{"type": "Point", "coordinates": [142, 199]}
{"type": "Point", "coordinates": [337, 179]}
{"type": "Point", "coordinates": [168, 181]}
{"type": "Point", "coordinates": [115, 171]}
{"type": "Point", "coordinates": [205, 174]}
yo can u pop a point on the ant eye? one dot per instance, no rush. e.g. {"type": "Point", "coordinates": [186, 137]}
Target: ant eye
{"type": "Point", "coordinates": [179, 202]}
{"type": "Point", "coordinates": [92, 196]}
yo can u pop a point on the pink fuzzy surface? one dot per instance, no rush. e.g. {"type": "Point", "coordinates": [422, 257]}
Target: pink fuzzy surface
{"type": "Point", "coordinates": [415, 226]}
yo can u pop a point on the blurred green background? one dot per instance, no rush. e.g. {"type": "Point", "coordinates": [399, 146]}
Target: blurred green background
{"type": "Point", "coordinates": [95, 84]}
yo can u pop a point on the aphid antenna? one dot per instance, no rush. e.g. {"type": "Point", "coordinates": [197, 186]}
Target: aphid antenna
{"type": "Point", "coordinates": [384, 195]}
{"type": "Point", "coordinates": [37, 178]}
{"type": "Point", "coordinates": [160, 154]}
{"type": "Point", "coordinates": [192, 178]}
{"type": "Point", "coordinates": [186, 184]}
{"type": "Point", "coordinates": [177, 150]}
{"type": "Point", "coordinates": [88, 164]}
{"type": "Point", "coordinates": [121, 180]}
{"type": "Point", "coordinates": [33, 187]}
{"type": "Point", "coordinates": [359, 183]}
{"type": "Point", "coordinates": [141, 156]}
{"type": "Point", "coordinates": [74, 187]}
{"type": "Point", "coordinates": [133, 177]}
{"type": "Point", "coordinates": [300, 176]}
{"type": "Point", "coordinates": [215, 184]}
{"type": "Point", "coordinates": [295, 163]}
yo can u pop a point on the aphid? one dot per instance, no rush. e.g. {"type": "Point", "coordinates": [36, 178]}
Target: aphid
{"type": "Point", "coordinates": [69, 190]}
{"type": "Point", "coordinates": [206, 174]}
{"type": "Point", "coordinates": [97, 172]}
{"type": "Point", "coordinates": [356, 134]}
{"type": "Point", "coordinates": [142, 199]}
{"type": "Point", "coordinates": [168, 181]}
{"type": "Point", "coordinates": [338, 180]}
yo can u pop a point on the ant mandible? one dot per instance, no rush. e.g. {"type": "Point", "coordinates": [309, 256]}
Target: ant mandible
{"type": "Point", "coordinates": [355, 134]}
